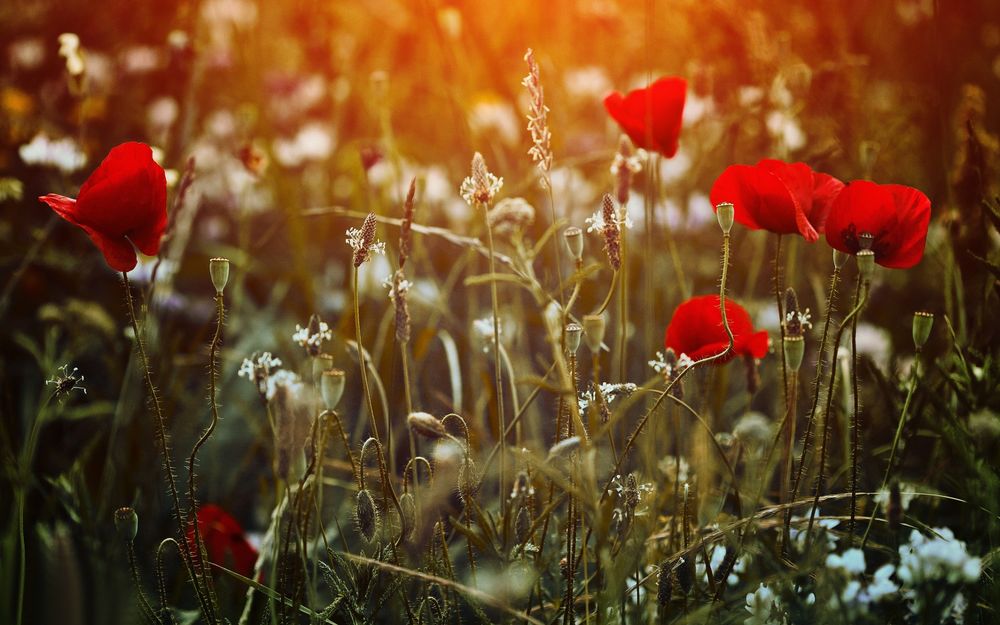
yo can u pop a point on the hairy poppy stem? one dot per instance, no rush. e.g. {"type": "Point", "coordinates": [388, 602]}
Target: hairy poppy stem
{"type": "Point", "coordinates": [821, 475]}
{"type": "Point", "coordinates": [807, 435]}
{"type": "Point", "coordinates": [498, 374]}
{"type": "Point", "coordinates": [147, 609]}
{"type": "Point", "coordinates": [781, 317]}
{"type": "Point", "coordinates": [213, 373]}
{"type": "Point", "coordinates": [163, 439]}
{"type": "Point", "coordinates": [855, 420]}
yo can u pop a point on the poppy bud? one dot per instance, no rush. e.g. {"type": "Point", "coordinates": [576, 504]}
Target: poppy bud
{"type": "Point", "coordinates": [126, 523]}
{"type": "Point", "coordinates": [409, 516]}
{"type": "Point", "coordinates": [725, 213]}
{"type": "Point", "coordinates": [331, 387]}
{"type": "Point", "coordinates": [426, 425]}
{"type": "Point", "coordinates": [366, 515]}
{"type": "Point", "coordinates": [468, 480]}
{"type": "Point", "coordinates": [866, 265]}
{"type": "Point", "coordinates": [573, 334]}
{"type": "Point", "coordinates": [593, 331]}
{"type": "Point", "coordinates": [838, 259]}
{"type": "Point", "coordinates": [218, 268]}
{"type": "Point", "coordinates": [795, 349]}
{"type": "Point", "coordinates": [923, 322]}
{"type": "Point", "coordinates": [522, 524]}
{"type": "Point", "coordinates": [321, 363]}
{"type": "Point", "coordinates": [574, 242]}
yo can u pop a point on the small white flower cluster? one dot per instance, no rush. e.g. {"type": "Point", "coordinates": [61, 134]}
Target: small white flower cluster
{"type": "Point", "coordinates": [69, 47]}
{"type": "Point", "coordinates": [608, 390]}
{"type": "Point", "coordinates": [356, 241]}
{"type": "Point", "coordinates": [595, 223]}
{"type": "Point", "coordinates": [470, 191]}
{"type": "Point", "coordinates": [314, 142]}
{"type": "Point", "coordinates": [798, 531]}
{"type": "Point", "coordinates": [632, 163]}
{"type": "Point", "coordinates": [936, 559]}
{"type": "Point", "coordinates": [258, 369]}
{"type": "Point", "coordinates": [402, 289]}
{"type": "Point", "coordinates": [304, 338]}
{"type": "Point", "coordinates": [66, 382]}
{"type": "Point", "coordinates": [804, 317]}
{"type": "Point", "coordinates": [659, 364]}
{"type": "Point", "coordinates": [283, 378]}
{"type": "Point", "coordinates": [63, 154]}
{"type": "Point", "coordinates": [483, 329]}
{"type": "Point", "coordinates": [764, 607]}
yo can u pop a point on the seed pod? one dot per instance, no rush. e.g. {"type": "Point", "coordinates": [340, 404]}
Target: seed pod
{"type": "Point", "coordinates": [593, 331]}
{"type": "Point", "coordinates": [218, 268]}
{"type": "Point", "coordinates": [564, 448]}
{"type": "Point", "coordinates": [574, 242]}
{"type": "Point", "coordinates": [631, 491]}
{"type": "Point", "coordinates": [366, 238]}
{"type": "Point", "coordinates": [866, 265]}
{"type": "Point", "coordinates": [793, 319]}
{"type": "Point", "coordinates": [795, 349]}
{"type": "Point", "coordinates": [366, 515]}
{"type": "Point", "coordinates": [725, 214]}
{"type": "Point", "coordinates": [126, 523]}
{"type": "Point", "coordinates": [923, 322]}
{"type": "Point", "coordinates": [321, 363]}
{"type": "Point", "coordinates": [405, 239]}
{"type": "Point", "coordinates": [574, 332]}
{"type": "Point", "coordinates": [400, 287]}
{"type": "Point", "coordinates": [426, 425]}
{"type": "Point", "coordinates": [664, 585]}
{"type": "Point", "coordinates": [331, 387]}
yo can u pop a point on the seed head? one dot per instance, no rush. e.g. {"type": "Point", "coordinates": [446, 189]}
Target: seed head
{"type": "Point", "coordinates": [218, 268]}
{"type": "Point", "coordinates": [574, 242]}
{"type": "Point", "coordinates": [923, 322]}
{"type": "Point", "coordinates": [126, 523]}
{"type": "Point", "coordinates": [481, 186]}
{"type": "Point", "coordinates": [593, 331]}
{"type": "Point", "coordinates": [362, 241]}
{"type": "Point", "coordinates": [664, 585]}
{"type": "Point", "coordinates": [612, 232]}
{"type": "Point", "coordinates": [626, 164]}
{"type": "Point", "coordinates": [405, 238]}
{"type": "Point", "coordinates": [331, 387]}
{"type": "Point", "coordinates": [426, 424]}
{"type": "Point", "coordinates": [574, 332]}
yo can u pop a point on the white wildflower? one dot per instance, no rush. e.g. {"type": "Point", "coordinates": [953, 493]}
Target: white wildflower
{"type": "Point", "coordinates": [764, 607]}
{"type": "Point", "coordinates": [906, 495]}
{"type": "Point", "coordinates": [286, 379]}
{"type": "Point", "coordinates": [63, 154]}
{"type": "Point", "coordinates": [481, 186]}
{"type": "Point", "coordinates": [306, 337]}
{"type": "Point", "coordinates": [66, 382]}
{"type": "Point", "coordinates": [936, 559]}
{"type": "Point", "coordinates": [595, 223]}
{"type": "Point", "coordinates": [851, 562]}
{"type": "Point", "coordinates": [69, 47]}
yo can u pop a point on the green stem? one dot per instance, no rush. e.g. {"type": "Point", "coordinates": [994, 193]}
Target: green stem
{"type": "Point", "coordinates": [498, 376]}
{"type": "Point", "coordinates": [361, 359]}
{"type": "Point", "coordinates": [855, 421]}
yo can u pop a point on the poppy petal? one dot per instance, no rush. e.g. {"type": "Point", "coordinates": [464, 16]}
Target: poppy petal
{"type": "Point", "coordinates": [118, 252]}
{"type": "Point", "coordinates": [651, 117]}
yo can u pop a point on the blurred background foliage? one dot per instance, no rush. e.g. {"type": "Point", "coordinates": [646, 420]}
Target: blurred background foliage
{"type": "Point", "coordinates": [292, 111]}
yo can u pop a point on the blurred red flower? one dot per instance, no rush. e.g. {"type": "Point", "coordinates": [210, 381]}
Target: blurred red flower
{"type": "Point", "coordinates": [784, 198]}
{"type": "Point", "coordinates": [224, 540]}
{"type": "Point", "coordinates": [651, 117]}
{"type": "Point", "coordinates": [895, 215]}
{"type": "Point", "coordinates": [125, 199]}
{"type": "Point", "coordinates": [696, 330]}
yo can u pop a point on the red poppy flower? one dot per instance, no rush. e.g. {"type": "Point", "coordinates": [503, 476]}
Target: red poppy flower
{"type": "Point", "coordinates": [784, 198]}
{"type": "Point", "coordinates": [895, 215]}
{"type": "Point", "coordinates": [651, 117]}
{"type": "Point", "coordinates": [696, 330]}
{"type": "Point", "coordinates": [224, 540]}
{"type": "Point", "coordinates": [124, 200]}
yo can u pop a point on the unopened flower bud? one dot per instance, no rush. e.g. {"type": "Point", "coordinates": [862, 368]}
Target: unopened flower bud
{"type": "Point", "coordinates": [725, 213]}
{"type": "Point", "coordinates": [866, 265]}
{"type": "Point", "coordinates": [218, 268]}
{"type": "Point", "coordinates": [366, 515]}
{"type": "Point", "coordinates": [426, 425]}
{"type": "Point", "coordinates": [593, 331]}
{"type": "Point", "coordinates": [331, 387]}
{"type": "Point", "coordinates": [573, 334]}
{"type": "Point", "coordinates": [923, 322]}
{"type": "Point", "coordinates": [126, 523]}
{"type": "Point", "coordinates": [564, 448]}
{"type": "Point", "coordinates": [574, 242]}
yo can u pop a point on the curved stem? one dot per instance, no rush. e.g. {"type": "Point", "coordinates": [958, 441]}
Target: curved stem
{"type": "Point", "coordinates": [147, 609]}
{"type": "Point", "coordinates": [163, 439]}
{"type": "Point", "coordinates": [213, 373]}
{"type": "Point", "coordinates": [607, 299]}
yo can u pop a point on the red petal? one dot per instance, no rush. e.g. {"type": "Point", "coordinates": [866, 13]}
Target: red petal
{"type": "Point", "coordinates": [651, 117]}
{"type": "Point", "coordinates": [897, 216]}
{"type": "Point", "coordinates": [826, 188]}
{"type": "Point", "coordinates": [696, 330]}
{"type": "Point", "coordinates": [914, 211]}
{"type": "Point", "coordinates": [760, 200]}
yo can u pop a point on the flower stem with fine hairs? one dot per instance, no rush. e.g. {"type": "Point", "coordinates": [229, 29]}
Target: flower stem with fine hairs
{"type": "Point", "coordinates": [821, 476]}
{"type": "Point", "coordinates": [163, 439]}
{"type": "Point", "coordinates": [213, 373]}
{"type": "Point", "coordinates": [781, 316]}
{"type": "Point", "coordinates": [147, 609]}
{"type": "Point", "coordinates": [855, 419]}
{"type": "Point", "coordinates": [807, 435]}
{"type": "Point", "coordinates": [361, 360]}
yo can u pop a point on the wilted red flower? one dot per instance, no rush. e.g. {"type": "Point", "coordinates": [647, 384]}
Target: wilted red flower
{"type": "Point", "coordinates": [224, 540]}
{"type": "Point", "coordinates": [124, 200]}
{"type": "Point", "coordinates": [651, 117]}
{"type": "Point", "coordinates": [784, 198]}
{"type": "Point", "coordinates": [696, 330]}
{"type": "Point", "coordinates": [894, 215]}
